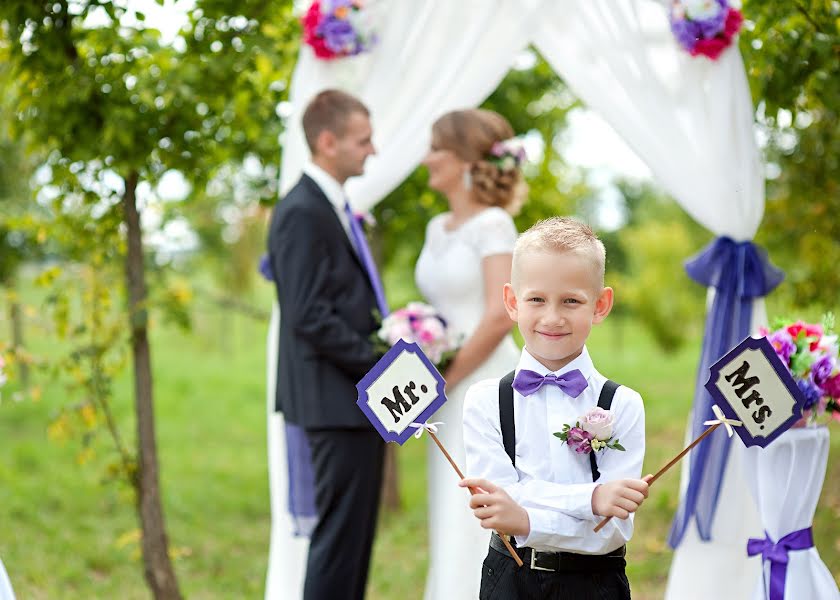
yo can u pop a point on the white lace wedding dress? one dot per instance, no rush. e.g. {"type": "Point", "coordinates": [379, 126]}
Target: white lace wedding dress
{"type": "Point", "coordinates": [449, 275]}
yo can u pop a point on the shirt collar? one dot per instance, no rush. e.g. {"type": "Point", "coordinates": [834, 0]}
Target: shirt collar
{"type": "Point", "coordinates": [583, 363]}
{"type": "Point", "coordinates": [331, 188]}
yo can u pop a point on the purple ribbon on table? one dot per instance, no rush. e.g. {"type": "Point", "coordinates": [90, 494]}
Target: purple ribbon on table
{"type": "Point", "coordinates": [777, 554]}
{"type": "Point", "coordinates": [360, 241]}
{"type": "Point", "coordinates": [528, 382]}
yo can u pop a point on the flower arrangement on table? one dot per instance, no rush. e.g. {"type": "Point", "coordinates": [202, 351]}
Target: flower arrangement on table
{"type": "Point", "coordinates": [337, 28]}
{"type": "Point", "coordinates": [592, 432]}
{"type": "Point", "coordinates": [705, 27]}
{"type": "Point", "coordinates": [420, 323]}
{"type": "Point", "coordinates": [810, 352]}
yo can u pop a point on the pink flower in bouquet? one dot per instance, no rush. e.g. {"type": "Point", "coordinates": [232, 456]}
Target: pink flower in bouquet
{"type": "Point", "coordinates": [832, 386]}
{"type": "Point", "coordinates": [598, 423]}
{"type": "Point", "coordinates": [811, 331]}
{"type": "Point", "coordinates": [310, 27]}
{"type": "Point", "coordinates": [579, 440]}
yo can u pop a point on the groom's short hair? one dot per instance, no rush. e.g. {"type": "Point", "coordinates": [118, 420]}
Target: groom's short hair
{"type": "Point", "coordinates": [329, 111]}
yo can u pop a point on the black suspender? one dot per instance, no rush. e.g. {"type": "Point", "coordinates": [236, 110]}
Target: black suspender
{"type": "Point", "coordinates": [508, 426]}
{"type": "Point", "coordinates": [506, 415]}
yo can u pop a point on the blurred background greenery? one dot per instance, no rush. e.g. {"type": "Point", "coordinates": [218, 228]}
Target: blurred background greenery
{"type": "Point", "coordinates": [102, 105]}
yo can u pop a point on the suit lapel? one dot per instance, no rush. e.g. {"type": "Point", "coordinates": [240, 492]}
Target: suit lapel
{"type": "Point", "coordinates": [332, 224]}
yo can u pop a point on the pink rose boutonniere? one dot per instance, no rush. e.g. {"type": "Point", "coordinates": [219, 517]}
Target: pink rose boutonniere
{"type": "Point", "coordinates": [592, 432]}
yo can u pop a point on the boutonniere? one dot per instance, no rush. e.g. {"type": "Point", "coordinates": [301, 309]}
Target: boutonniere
{"type": "Point", "coordinates": [592, 431]}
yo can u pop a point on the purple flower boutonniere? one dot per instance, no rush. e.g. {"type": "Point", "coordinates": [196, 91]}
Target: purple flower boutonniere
{"type": "Point", "coordinates": [592, 432]}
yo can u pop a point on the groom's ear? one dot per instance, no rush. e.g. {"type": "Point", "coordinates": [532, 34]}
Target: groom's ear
{"type": "Point", "coordinates": [509, 296]}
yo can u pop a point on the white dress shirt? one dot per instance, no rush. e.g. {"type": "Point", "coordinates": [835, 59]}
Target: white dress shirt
{"type": "Point", "coordinates": [334, 192]}
{"type": "Point", "coordinates": [551, 481]}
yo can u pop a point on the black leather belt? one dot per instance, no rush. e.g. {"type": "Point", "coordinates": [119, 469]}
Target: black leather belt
{"type": "Point", "coordinates": [564, 561]}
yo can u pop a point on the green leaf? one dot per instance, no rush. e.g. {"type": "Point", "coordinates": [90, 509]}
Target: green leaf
{"type": "Point", "coordinates": [618, 446]}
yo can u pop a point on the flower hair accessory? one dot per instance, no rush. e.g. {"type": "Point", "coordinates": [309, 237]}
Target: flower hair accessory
{"type": "Point", "coordinates": [592, 432]}
{"type": "Point", "coordinates": [508, 154]}
{"type": "Point", "coordinates": [705, 26]}
{"type": "Point", "coordinates": [337, 28]}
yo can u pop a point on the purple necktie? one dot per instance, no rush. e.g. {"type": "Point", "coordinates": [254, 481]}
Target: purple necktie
{"type": "Point", "coordinates": [527, 382]}
{"type": "Point", "coordinates": [363, 250]}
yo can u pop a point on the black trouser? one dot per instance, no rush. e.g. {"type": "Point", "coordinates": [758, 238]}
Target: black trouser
{"type": "Point", "coordinates": [585, 579]}
{"type": "Point", "coordinates": [348, 478]}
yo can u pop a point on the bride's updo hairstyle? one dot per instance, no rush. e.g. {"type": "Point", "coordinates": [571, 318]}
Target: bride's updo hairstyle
{"type": "Point", "coordinates": [471, 134]}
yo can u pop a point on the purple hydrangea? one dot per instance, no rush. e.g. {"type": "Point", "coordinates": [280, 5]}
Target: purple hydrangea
{"type": "Point", "coordinates": [338, 34]}
{"type": "Point", "coordinates": [579, 440]}
{"type": "Point", "coordinates": [811, 392]}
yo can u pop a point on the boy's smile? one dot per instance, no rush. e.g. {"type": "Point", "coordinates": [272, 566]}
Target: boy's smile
{"type": "Point", "coordinates": [556, 301]}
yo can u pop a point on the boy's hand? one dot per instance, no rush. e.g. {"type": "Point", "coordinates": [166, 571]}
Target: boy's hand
{"type": "Point", "coordinates": [494, 507]}
{"type": "Point", "coordinates": [619, 498]}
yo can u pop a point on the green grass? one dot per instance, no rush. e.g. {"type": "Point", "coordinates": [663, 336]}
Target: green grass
{"type": "Point", "coordinates": [66, 534]}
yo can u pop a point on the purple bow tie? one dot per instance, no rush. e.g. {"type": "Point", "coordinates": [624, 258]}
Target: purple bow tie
{"type": "Point", "coordinates": [527, 382]}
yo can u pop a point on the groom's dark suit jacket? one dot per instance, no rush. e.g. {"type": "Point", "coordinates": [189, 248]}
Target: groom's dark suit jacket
{"type": "Point", "coordinates": [326, 312]}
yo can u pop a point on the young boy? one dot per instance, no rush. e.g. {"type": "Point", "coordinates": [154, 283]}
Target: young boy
{"type": "Point", "coordinates": [546, 494]}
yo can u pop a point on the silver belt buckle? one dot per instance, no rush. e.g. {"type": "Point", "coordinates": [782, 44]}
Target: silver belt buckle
{"type": "Point", "coordinates": [534, 566]}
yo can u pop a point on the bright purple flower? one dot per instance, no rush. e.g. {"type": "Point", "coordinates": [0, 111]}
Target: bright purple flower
{"type": "Point", "coordinates": [579, 440]}
{"type": "Point", "coordinates": [821, 370]}
{"type": "Point", "coordinates": [265, 268]}
{"type": "Point", "coordinates": [338, 34]}
{"type": "Point", "coordinates": [687, 32]}
{"type": "Point", "coordinates": [782, 343]}
{"type": "Point", "coordinates": [811, 392]}
{"type": "Point", "coordinates": [712, 26]}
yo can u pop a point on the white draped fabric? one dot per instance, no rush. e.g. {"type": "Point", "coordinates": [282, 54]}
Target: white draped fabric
{"type": "Point", "coordinates": [6, 592]}
{"type": "Point", "coordinates": [786, 479]}
{"type": "Point", "coordinates": [689, 119]}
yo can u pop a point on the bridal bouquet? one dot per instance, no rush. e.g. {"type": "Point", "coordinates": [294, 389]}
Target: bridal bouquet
{"type": "Point", "coordinates": [810, 352]}
{"type": "Point", "coordinates": [337, 28]}
{"type": "Point", "coordinates": [705, 26]}
{"type": "Point", "coordinates": [420, 323]}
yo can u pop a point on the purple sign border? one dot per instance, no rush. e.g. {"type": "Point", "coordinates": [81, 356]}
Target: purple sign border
{"type": "Point", "coordinates": [782, 371]}
{"type": "Point", "coordinates": [377, 371]}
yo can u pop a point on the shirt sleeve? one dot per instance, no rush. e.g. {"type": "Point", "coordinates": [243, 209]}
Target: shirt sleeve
{"type": "Point", "coordinates": [556, 521]}
{"type": "Point", "coordinates": [485, 452]}
{"type": "Point", "coordinates": [495, 233]}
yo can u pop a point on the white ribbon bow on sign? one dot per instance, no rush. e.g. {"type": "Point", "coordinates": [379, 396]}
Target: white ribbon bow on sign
{"type": "Point", "coordinates": [431, 427]}
{"type": "Point", "coordinates": [722, 420]}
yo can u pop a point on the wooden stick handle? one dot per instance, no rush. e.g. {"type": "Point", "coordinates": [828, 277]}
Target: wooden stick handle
{"type": "Point", "coordinates": [510, 549]}
{"type": "Point", "coordinates": [664, 469]}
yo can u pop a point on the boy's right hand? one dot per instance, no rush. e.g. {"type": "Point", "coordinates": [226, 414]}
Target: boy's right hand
{"type": "Point", "coordinates": [619, 498]}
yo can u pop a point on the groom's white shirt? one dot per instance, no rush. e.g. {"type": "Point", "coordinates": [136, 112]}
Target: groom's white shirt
{"type": "Point", "coordinates": [332, 190]}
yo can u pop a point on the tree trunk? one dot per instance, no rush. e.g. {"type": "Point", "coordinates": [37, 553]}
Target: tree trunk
{"type": "Point", "coordinates": [159, 573]}
{"type": "Point", "coordinates": [16, 318]}
{"type": "Point", "coordinates": [390, 482]}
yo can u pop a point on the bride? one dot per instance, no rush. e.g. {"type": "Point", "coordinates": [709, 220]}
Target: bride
{"type": "Point", "coordinates": [463, 266]}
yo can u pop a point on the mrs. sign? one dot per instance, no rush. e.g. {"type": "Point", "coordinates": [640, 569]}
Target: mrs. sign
{"type": "Point", "coordinates": [752, 385]}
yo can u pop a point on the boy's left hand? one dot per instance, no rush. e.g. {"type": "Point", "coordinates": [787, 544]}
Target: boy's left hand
{"type": "Point", "coordinates": [494, 507]}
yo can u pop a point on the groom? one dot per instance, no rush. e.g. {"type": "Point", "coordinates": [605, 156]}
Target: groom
{"type": "Point", "coordinates": [327, 289]}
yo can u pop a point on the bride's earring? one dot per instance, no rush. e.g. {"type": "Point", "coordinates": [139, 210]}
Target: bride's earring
{"type": "Point", "coordinates": [467, 179]}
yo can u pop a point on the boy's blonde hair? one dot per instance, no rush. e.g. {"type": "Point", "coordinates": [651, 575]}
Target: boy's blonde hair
{"type": "Point", "coordinates": [561, 234]}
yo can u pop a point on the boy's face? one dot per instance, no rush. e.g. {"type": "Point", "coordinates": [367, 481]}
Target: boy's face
{"type": "Point", "coordinates": [556, 301]}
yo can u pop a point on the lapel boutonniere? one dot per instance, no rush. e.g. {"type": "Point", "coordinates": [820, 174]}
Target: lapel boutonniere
{"type": "Point", "coordinates": [593, 431]}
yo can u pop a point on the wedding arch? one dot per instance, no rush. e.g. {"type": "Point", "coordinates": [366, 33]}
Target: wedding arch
{"type": "Point", "coordinates": [690, 119]}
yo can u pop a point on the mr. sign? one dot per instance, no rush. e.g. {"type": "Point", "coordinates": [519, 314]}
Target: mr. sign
{"type": "Point", "coordinates": [751, 384]}
{"type": "Point", "coordinates": [402, 388]}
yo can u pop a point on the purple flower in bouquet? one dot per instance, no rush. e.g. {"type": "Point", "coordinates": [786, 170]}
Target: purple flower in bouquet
{"type": "Point", "coordinates": [782, 342]}
{"type": "Point", "coordinates": [811, 392]}
{"type": "Point", "coordinates": [821, 370]}
{"type": "Point", "coordinates": [579, 440]}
